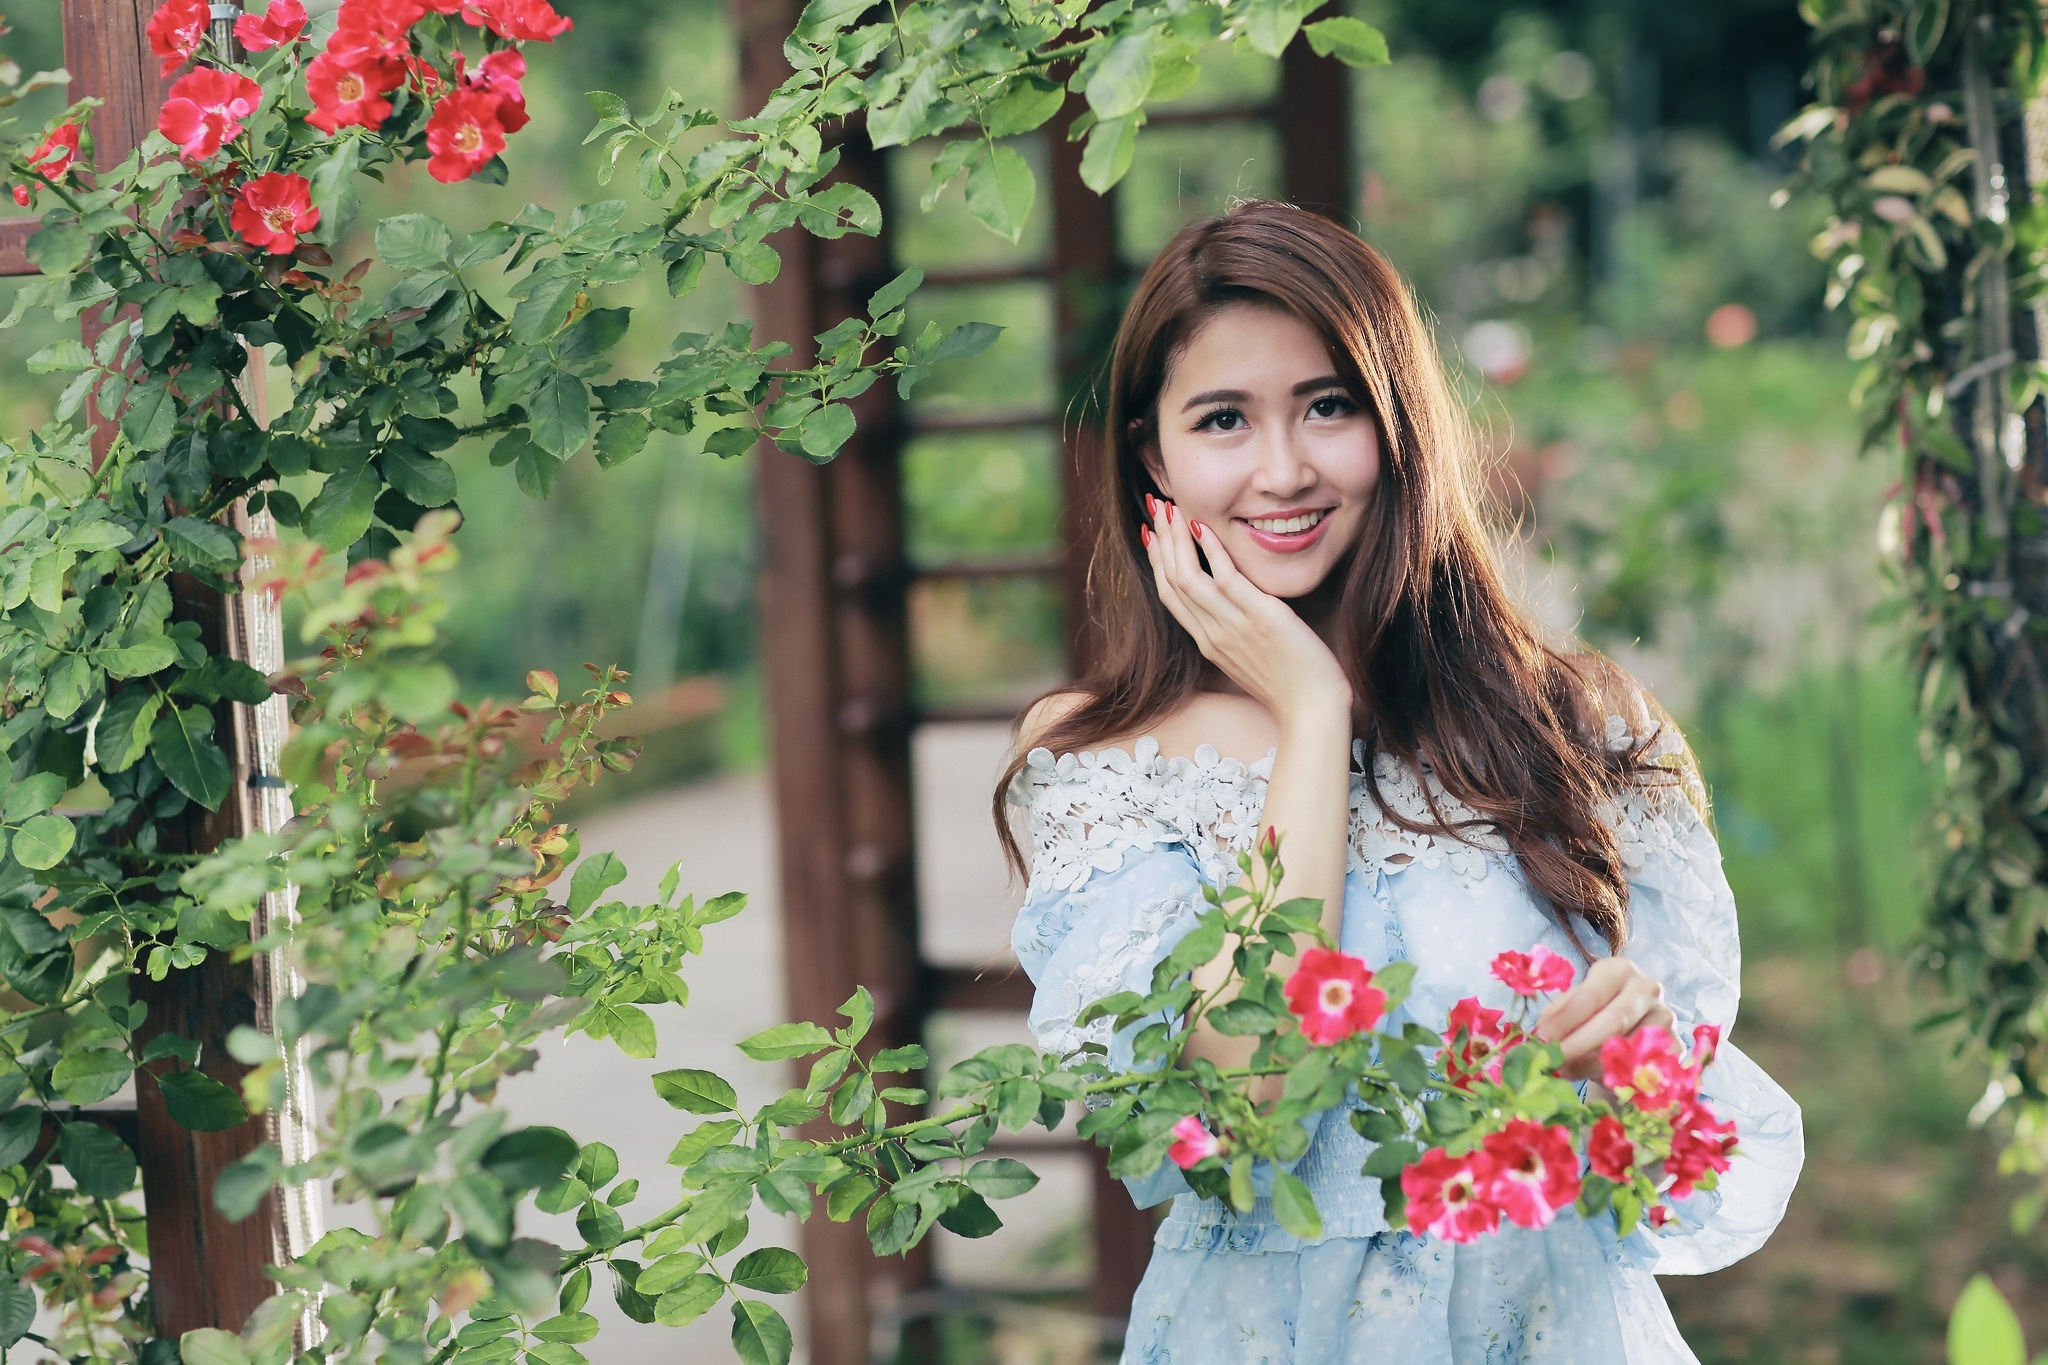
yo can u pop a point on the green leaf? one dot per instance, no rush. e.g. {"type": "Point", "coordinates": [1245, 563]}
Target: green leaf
{"type": "Point", "coordinates": [559, 411]}
{"type": "Point", "coordinates": [698, 1092]}
{"type": "Point", "coordinates": [19, 1129]}
{"type": "Point", "coordinates": [528, 1158]}
{"type": "Point", "coordinates": [1122, 79]}
{"type": "Point", "coordinates": [688, 1301]}
{"type": "Point", "coordinates": [971, 1217]}
{"type": "Point", "coordinates": [427, 479]}
{"type": "Point", "coordinates": [123, 733]}
{"type": "Point", "coordinates": [182, 744]}
{"type": "Point", "coordinates": [594, 876]}
{"type": "Point", "coordinates": [569, 1327]}
{"type": "Point", "coordinates": [753, 262]}
{"type": "Point", "coordinates": [1000, 1178]}
{"type": "Point", "coordinates": [1295, 1207]}
{"type": "Point", "coordinates": [822, 19]}
{"type": "Point", "coordinates": [1107, 156]}
{"type": "Point", "coordinates": [1270, 25]}
{"type": "Point", "coordinates": [825, 431]}
{"type": "Point", "coordinates": [241, 1187]}
{"type": "Point", "coordinates": [968, 339]}
{"type": "Point", "coordinates": [1984, 1330]}
{"type": "Point", "coordinates": [1026, 105]}
{"type": "Point", "coordinates": [786, 1040]}
{"type": "Point", "coordinates": [410, 242]}
{"type": "Point", "coordinates": [631, 1028]}
{"type": "Point", "coordinates": [42, 841]}
{"type": "Point", "coordinates": [758, 1332]}
{"type": "Point", "coordinates": [139, 660]}
{"type": "Point", "coordinates": [201, 1103]}
{"type": "Point", "coordinates": [1351, 41]}
{"type": "Point", "coordinates": [32, 794]}
{"type": "Point", "coordinates": [1000, 190]}
{"type": "Point", "coordinates": [895, 293]}
{"type": "Point", "coordinates": [340, 512]}
{"type": "Point", "coordinates": [204, 543]}
{"type": "Point", "coordinates": [211, 1346]}
{"type": "Point", "coordinates": [770, 1270]}
{"type": "Point", "coordinates": [59, 248]}
{"type": "Point", "coordinates": [100, 1163]}
{"type": "Point", "coordinates": [17, 1311]}
{"type": "Point", "coordinates": [59, 357]}
{"type": "Point", "coordinates": [621, 437]}
{"type": "Point", "coordinates": [667, 1273]}
{"type": "Point", "coordinates": [89, 1075]}
{"type": "Point", "coordinates": [151, 415]}
{"type": "Point", "coordinates": [333, 179]}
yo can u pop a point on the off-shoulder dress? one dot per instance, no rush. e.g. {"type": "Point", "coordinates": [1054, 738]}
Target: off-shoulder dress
{"type": "Point", "coordinates": [1122, 843]}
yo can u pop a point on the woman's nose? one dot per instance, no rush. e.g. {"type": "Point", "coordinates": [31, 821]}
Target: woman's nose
{"type": "Point", "coordinates": [1283, 468]}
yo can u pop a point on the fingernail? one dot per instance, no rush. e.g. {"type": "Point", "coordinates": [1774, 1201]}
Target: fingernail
{"type": "Point", "coordinates": [1199, 529]}
{"type": "Point", "coordinates": [1151, 507]}
{"type": "Point", "coordinates": [1169, 510]}
{"type": "Point", "coordinates": [1145, 534]}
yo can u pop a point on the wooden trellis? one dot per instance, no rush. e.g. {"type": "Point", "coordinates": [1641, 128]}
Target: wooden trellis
{"type": "Point", "coordinates": [837, 640]}
{"type": "Point", "coordinates": [205, 1270]}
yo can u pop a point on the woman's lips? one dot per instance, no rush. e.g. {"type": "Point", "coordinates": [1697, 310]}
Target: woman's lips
{"type": "Point", "coordinates": [1290, 542]}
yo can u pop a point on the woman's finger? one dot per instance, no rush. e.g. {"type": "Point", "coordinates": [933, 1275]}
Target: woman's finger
{"type": "Point", "coordinates": [1185, 564]}
{"type": "Point", "coordinates": [1623, 1014]}
{"type": "Point", "coordinates": [1570, 1011]}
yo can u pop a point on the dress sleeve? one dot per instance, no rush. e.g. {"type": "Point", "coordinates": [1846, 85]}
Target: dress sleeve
{"type": "Point", "coordinates": [1113, 888]}
{"type": "Point", "coordinates": [1682, 931]}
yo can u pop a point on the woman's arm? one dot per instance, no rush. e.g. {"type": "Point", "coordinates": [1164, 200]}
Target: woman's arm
{"type": "Point", "coordinates": [1263, 646]}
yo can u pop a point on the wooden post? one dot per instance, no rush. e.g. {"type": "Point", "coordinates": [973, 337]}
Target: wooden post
{"type": "Point", "coordinates": [836, 659]}
{"type": "Point", "coordinates": [205, 1271]}
{"type": "Point", "coordinates": [1313, 118]}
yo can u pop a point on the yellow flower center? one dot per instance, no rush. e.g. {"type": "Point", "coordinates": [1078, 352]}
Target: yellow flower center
{"type": "Point", "coordinates": [468, 138]}
{"type": "Point", "coordinates": [1336, 995]}
{"type": "Point", "coordinates": [350, 88]}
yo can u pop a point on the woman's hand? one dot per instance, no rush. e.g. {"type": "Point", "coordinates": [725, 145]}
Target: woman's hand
{"type": "Point", "coordinates": [1259, 642]}
{"type": "Point", "coordinates": [1616, 997]}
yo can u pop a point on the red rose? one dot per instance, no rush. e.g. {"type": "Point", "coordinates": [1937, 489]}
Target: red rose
{"type": "Point", "coordinates": [498, 75]}
{"type": "Point", "coordinates": [176, 30]}
{"type": "Point", "coordinates": [463, 134]}
{"type": "Point", "coordinates": [1700, 1143]}
{"type": "Point", "coordinates": [1444, 1195]}
{"type": "Point", "coordinates": [1192, 1143]}
{"type": "Point", "coordinates": [1334, 995]}
{"type": "Point", "coordinates": [1645, 1065]}
{"type": "Point", "coordinates": [1535, 1172]}
{"type": "Point", "coordinates": [272, 210]}
{"type": "Point", "coordinates": [205, 109]}
{"type": "Point", "coordinates": [55, 153]}
{"type": "Point", "coordinates": [349, 89]}
{"type": "Point", "coordinates": [378, 26]}
{"type": "Point", "coordinates": [1609, 1150]}
{"type": "Point", "coordinates": [1533, 973]}
{"type": "Point", "coordinates": [1478, 1042]}
{"type": "Point", "coordinates": [278, 26]}
{"type": "Point", "coordinates": [520, 20]}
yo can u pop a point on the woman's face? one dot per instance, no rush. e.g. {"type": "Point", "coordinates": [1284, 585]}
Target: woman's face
{"type": "Point", "coordinates": [1260, 441]}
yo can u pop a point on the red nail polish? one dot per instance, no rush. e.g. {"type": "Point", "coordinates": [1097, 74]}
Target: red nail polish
{"type": "Point", "coordinates": [1145, 534]}
{"type": "Point", "coordinates": [1169, 511]}
{"type": "Point", "coordinates": [1199, 529]}
{"type": "Point", "coordinates": [1151, 507]}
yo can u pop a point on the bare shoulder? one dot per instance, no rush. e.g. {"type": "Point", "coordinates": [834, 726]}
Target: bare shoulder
{"type": "Point", "coordinates": [1237, 726]}
{"type": "Point", "coordinates": [1044, 714]}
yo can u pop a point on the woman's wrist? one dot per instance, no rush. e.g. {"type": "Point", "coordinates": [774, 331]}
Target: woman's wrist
{"type": "Point", "coordinates": [1317, 716]}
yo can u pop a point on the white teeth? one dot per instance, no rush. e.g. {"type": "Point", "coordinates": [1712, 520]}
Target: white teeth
{"type": "Point", "coordinates": [1281, 526]}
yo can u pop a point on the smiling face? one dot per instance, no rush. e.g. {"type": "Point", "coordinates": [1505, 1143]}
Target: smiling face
{"type": "Point", "coordinates": [1259, 439]}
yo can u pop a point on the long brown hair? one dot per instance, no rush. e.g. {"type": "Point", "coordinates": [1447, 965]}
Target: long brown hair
{"type": "Point", "coordinates": [1448, 674]}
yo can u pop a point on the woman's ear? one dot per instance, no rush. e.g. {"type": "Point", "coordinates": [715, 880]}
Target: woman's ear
{"type": "Point", "coordinates": [1148, 456]}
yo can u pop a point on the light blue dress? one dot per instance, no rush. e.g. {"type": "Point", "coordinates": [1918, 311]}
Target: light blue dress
{"type": "Point", "coordinates": [1121, 845]}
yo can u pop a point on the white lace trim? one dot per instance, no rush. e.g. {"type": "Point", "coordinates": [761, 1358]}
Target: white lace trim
{"type": "Point", "coordinates": [1088, 810]}
{"type": "Point", "coordinates": [1653, 820]}
{"type": "Point", "coordinates": [1104, 972]}
{"type": "Point", "coordinates": [1377, 842]}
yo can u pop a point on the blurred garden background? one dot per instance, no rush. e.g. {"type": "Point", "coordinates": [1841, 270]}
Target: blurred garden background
{"type": "Point", "coordinates": [1582, 193]}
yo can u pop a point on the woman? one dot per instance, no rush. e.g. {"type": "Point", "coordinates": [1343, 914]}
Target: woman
{"type": "Point", "coordinates": [1304, 628]}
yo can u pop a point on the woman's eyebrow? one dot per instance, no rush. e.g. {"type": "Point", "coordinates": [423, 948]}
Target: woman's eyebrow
{"type": "Point", "coordinates": [1328, 381]}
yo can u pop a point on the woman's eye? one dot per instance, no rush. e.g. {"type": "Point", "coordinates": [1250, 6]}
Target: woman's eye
{"type": "Point", "coordinates": [1223, 419]}
{"type": "Point", "coordinates": [1331, 405]}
